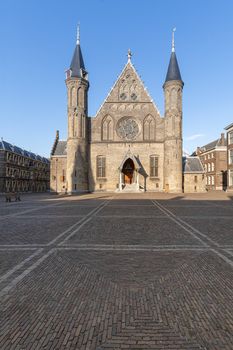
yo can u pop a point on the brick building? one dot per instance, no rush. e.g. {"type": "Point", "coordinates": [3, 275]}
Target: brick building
{"type": "Point", "coordinates": [229, 130]}
{"type": "Point", "coordinates": [22, 171]}
{"type": "Point", "coordinates": [214, 160]}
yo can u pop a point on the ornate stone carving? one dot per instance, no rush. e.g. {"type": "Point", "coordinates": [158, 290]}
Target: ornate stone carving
{"type": "Point", "coordinates": [114, 107]}
{"type": "Point", "coordinates": [121, 108]}
{"type": "Point", "coordinates": [127, 128]}
{"type": "Point", "coordinates": [137, 107]}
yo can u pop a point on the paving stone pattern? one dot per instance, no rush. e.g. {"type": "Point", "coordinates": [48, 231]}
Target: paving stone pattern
{"type": "Point", "coordinates": [108, 271]}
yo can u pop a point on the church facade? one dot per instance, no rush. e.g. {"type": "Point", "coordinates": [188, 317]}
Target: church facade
{"type": "Point", "coordinates": [128, 145]}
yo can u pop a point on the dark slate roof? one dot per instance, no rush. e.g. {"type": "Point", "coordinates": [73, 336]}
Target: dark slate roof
{"type": "Point", "coordinates": [213, 144]}
{"type": "Point", "coordinates": [192, 165]}
{"type": "Point", "coordinates": [173, 72]}
{"type": "Point", "coordinates": [60, 149]}
{"type": "Point", "coordinates": [6, 146]}
{"type": "Point", "coordinates": [77, 63]}
{"type": "Point", "coordinates": [229, 126]}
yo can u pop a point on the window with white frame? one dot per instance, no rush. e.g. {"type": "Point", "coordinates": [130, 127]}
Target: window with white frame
{"type": "Point", "coordinates": [208, 182]}
{"type": "Point", "coordinates": [230, 177]}
{"type": "Point", "coordinates": [212, 166]}
{"type": "Point", "coordinates": [208, 155]}
{"type": "Point", "coordinates": [231, 156]}
{"type": "Point", "coordinates": [208, 166]}
{"type": "Point", "coordinates": [154, 162]}
{"type": "Point", "coordinates": [212, 180]}
{"type": "Point", "coordinates": [212, 155]}
{"type": "Point", "coordinates": [100, 166]}
{"type": "Point", "coordinates": [230, 138]}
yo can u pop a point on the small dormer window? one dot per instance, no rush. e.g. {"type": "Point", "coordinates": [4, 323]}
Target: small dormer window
{"type": "Point", "coordinates": [68, 73]}
{"type": "Point", "coordinates": [83, 73]}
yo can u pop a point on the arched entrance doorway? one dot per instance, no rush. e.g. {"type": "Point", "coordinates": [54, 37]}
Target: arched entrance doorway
{"type": "Point", "coordinates": [128, 171]}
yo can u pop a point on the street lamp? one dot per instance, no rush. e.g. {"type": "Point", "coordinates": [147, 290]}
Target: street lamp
{"type": "Point", "coordinates": [56, 174]}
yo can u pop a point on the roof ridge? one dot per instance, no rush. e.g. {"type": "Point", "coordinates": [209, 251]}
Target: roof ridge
{"type": "Point", "coordinates": [18, 150]}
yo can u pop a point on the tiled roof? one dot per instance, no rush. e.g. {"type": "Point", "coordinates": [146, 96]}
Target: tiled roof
{"type": "Point", "coordinates": [192, 165]}
{"type": "Point", "coordinates": [229, 126]}
{"type": "Point", "coordinates": [173, 72]}
{"type": "Point", "coordinates": [6, 146]}
{"type": "Point", "coordinates": [213, 144]}
{"type": "Point", "coordinates": [77, 63]}
{"type": "Point", "coordinates": [60, 149]}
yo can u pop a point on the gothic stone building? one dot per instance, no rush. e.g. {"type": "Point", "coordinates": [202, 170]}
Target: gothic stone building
{"type": "Point", "coordinates": [128, 145]}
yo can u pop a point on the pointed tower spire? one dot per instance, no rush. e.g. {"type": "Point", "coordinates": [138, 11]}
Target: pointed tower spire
{"type": "Point", "coordinates": [77, 67]}
{"type": "Point", "coordinates": [173, 72]}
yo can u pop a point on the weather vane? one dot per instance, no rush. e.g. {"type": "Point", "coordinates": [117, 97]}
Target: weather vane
{"type": "Point", "coordinates": [129, 55]}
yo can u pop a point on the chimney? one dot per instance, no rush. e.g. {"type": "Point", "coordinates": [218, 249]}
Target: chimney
{"type": "Point", "coordinates": [222, 140]}
{"type": "Point", "coordinates": [55, 143]}
{"type": "Point", "coordinates": [57, 134]}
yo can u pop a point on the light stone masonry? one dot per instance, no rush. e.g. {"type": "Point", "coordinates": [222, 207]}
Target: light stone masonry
{"type": "Point", "coordinates": [128, 146]}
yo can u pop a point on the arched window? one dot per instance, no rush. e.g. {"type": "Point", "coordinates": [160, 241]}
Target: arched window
{"type": "Point", "coordinates": [73, 97]}
{"type": "Point", "coordinates": [149, 128]}
{"type": "Point", "coordinates": [83, 125]}
{"type": "Point", "coordinates": [173, 98]}
{"type": "Point", "coordinates": [107, 128]}
{"type": "Point", "coordinates": [81, 97]}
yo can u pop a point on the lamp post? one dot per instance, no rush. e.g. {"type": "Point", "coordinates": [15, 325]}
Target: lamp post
{"type": "Point", "coordinates": [56, 174]}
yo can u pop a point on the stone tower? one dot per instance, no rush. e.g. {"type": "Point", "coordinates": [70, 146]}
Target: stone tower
{"type": "Point", "coordinates": [77, 150]}
{"type": "Point", "coordinates": [173, 87]}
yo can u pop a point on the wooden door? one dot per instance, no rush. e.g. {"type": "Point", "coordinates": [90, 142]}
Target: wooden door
{"type": "Point", "coordinates": [128, 170]}
{"type": "Point", "coordinates": [128, 177]}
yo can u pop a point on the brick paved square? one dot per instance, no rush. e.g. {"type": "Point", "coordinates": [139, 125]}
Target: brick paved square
{"type": "Point", "coordinates": [185, 203]}
{"type": "Point", "coordinates": [133, 210]}
{"type": "Point", "coordinates": [84, 295]}
{"type": "Point", "coordinates": [63, 210]}
{"type": "Point", "coordinates": [134, 231]}
{"type": "Point", "coordinates": [130, 202]}
{"type": "Point", "coordinates": [219, 229]}
{"type": "Point", "coordinates": [10, 258]}
{"type": "Point", "coordinates": [20, 230]}
{"type": "Point", "coordinates": [203, 211]}
{"type": "Point", "coordinates": [116, 272]}
{"type": "Point", "coordinates": [12, 210]}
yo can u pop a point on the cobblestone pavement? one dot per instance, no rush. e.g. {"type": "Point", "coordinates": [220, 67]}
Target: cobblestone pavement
{"type": "Point", "coordinates": [107, 271]}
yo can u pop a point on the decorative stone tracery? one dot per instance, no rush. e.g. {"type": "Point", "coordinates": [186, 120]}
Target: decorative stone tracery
{"type": "Point", "coordinates": [149, 128]}
{"type": "Point", "coordinates": [107, 128]}
{"type": "Point", "coordinates": [127, 128]}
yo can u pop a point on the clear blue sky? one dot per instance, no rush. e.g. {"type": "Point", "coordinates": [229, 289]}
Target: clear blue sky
{"type": "Point", "coordinates": [37, 39]}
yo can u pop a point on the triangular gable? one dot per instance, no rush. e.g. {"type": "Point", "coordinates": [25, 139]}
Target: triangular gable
{"type": "Point", "coordinates": [128, 88]}
{"type": "Point", "coordinates": [130, 155]}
